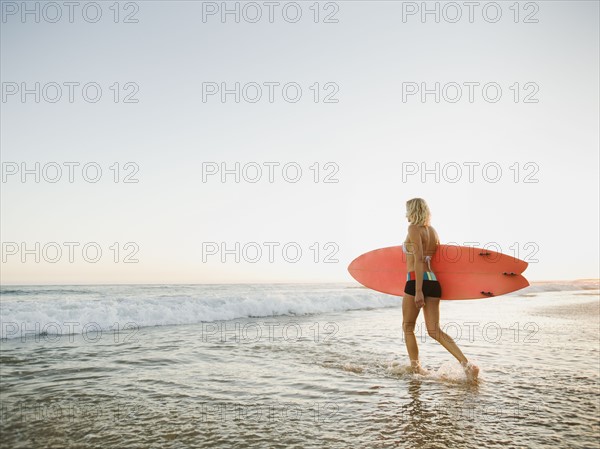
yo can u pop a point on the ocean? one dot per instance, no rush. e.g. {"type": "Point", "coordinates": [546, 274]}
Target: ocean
{"type": "Point", "coordinates": [294, 365]}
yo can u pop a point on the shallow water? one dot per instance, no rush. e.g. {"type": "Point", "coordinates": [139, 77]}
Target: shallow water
{"type": "Point", "coordinates": [326, 379]}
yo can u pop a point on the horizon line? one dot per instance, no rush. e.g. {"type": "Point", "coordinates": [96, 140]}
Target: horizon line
{"type": "Point", "coordinates": [595, 280]}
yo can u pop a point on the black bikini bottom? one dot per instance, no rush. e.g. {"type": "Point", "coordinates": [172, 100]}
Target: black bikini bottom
{"type": "Point", "coordinates": [430, 288]}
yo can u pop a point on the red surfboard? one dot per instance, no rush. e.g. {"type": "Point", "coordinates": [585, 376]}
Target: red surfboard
{"type": "Point", "coordinates": [464, 272]}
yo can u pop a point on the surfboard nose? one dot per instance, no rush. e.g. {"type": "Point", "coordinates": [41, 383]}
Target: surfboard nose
{"type": "Point", "coordinates": [356, 264]}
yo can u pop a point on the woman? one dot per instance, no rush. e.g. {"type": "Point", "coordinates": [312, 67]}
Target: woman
{"type": "Point", "coordinates": [423, 289]}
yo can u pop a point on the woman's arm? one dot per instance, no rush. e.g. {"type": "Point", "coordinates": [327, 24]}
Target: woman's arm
{"type": "Point", "coordinates": [417, 247]}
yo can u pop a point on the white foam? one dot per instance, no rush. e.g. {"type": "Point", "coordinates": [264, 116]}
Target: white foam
{"type": "Point", "coordinates": [49, 309]}
{"type": "Point", "coordinates": [450, 371]}
{"type": "Point", "coordinates": [49, 312]}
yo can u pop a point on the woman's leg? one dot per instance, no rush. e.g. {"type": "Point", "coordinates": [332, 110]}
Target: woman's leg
{"type": "Point", "coordinates": [410, 312]}
{"type": "Point", "coordinates": [431, 310]}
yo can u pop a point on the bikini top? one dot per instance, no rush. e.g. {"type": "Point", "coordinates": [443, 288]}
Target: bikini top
{"type": "Point", "coordinates": [427, 258]}
{"type": "Point", "coordinates": [404, 250]}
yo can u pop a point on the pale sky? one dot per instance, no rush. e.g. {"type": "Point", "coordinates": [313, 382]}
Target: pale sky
{"type": "Point", "coordinates": [370, 137]}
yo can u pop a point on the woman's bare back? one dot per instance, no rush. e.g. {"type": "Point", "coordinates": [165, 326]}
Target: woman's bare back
{"type": "Point", "coordinates": [429, 239]}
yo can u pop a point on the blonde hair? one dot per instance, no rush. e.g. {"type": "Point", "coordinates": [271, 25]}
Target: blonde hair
{"type": "Point", "coordinates": [418, 212]}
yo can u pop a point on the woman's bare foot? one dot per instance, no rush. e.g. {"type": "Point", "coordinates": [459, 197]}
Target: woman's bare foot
{"type": "Point", "coordinates": [471, 371]}
{"type": "Point", "coordinates": [416, 368]}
